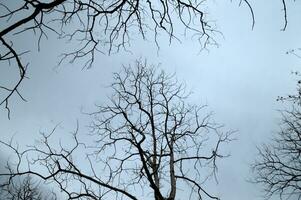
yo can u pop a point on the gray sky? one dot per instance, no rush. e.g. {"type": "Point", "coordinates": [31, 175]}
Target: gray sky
{"type": "Point", "coordinates": [240, 81]}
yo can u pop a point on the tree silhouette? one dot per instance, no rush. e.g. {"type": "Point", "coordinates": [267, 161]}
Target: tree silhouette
{"type": "Point", "coordinates": [150, 143]}
{"type": "Point", "coordinates": [278, 166]}
{"type": "Point", "coordinates": [96, 26]}
{"type": "Point", "coordinates": [26, 189]}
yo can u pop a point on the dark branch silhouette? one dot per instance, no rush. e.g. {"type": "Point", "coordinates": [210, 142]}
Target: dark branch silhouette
{"type": "Point", "coordinates": [278, 166]}
{"type": "Point", "coordinates": [26, 189]}
{"type": "Point", "coordinates": [99, 26]}
{"type": "Point", "coordinates": [96, 26]}
{"type": "Point", "coordinates": [149, 143]}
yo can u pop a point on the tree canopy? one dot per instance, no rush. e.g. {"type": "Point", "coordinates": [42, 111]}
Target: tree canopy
{"type": "Point", "coordinates": [149, 143]}
{"type": "Point", "coordinates": [278, 165]}
{"type": "Point", "coordinates": [98, 26]}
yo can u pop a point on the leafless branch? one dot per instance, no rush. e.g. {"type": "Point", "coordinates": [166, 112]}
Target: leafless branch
{"type": "Point", "coordinates": [97, 26]}
{"type": "Point", "coordinates": [278, 168]}
{"type": "Point", "coordinates": [149, 142]}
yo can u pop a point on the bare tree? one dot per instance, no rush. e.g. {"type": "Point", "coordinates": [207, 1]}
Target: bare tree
{"type": "Point", "coordinates": [97, 26]}
{"type": "Point", "coordinates": [278, 166]}
{"type": "Point", "coordinates": [26, 189]}
{"type": "Point", "coordinates": [150, 144]}
{"type": "Point", "coordinates": [296, 97]}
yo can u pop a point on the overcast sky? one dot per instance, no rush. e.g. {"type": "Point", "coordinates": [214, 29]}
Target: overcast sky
{"type": "Point", "coordinates": [240, 81]}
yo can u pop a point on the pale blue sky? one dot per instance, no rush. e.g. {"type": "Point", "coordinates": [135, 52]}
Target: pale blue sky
{"type": "Point", "coordinates": [240, 81]}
